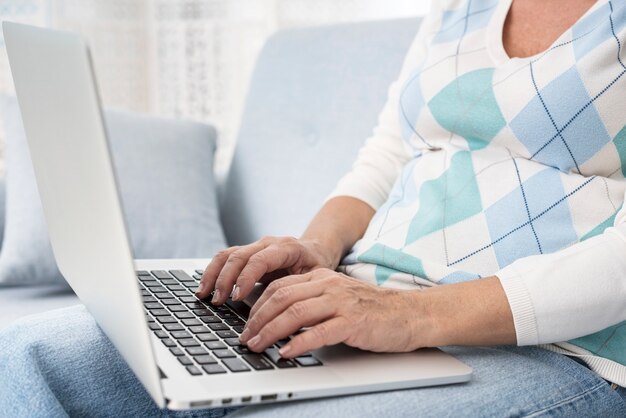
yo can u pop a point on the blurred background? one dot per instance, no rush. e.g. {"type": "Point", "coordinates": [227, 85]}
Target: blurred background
{"type": "Point", "coordinates": [185, 58]}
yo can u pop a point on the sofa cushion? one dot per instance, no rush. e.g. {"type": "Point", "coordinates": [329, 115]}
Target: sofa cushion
{"type": "Point", "coordinates": [314, 99]}
{"type": "Point", "coordinates": [165, 175]}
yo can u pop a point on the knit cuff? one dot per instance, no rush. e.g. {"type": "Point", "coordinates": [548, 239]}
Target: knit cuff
{"type": "Point", "coordinates": [521, 306]}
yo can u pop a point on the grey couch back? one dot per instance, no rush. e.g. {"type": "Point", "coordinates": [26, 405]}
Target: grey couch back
{"type": "Point", "coordinates": [314, 98]}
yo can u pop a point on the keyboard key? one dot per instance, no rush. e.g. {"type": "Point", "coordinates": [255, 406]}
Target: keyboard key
{"type": "Point", "coordinates": [181, 334]}
{"type": "Point", "coordinates": [225, 315]}
{"type": "Point", "coordinates": [177, 351]}
{"type": "Point", "coordinates": [181, 293]}
{"type": "Point", "coordinates": [185, 361]}
{"type": "Point", "coordinates": [176, 287]}
{"type": "Point", "coordinates": [194, 371]}
{"type": "Point", "coordinates": [177, 308]}
{"type": "Point", "coordinates": [170, 301]}
{"type": "Point", "coordinates": [238, 328]}
{"type": "Point", "coordinates": [214, 345]}
{"type": "Point", "coordinates": [199, 329]}
{"type": "Point", "coordinates": [234, 322]}
{"type": "Point", "coordinates": [225, 353]}
{"type": "Point", "coordinates": [145, 293]}
{"type": "Point", "coordinates": [191, 322]}
{"type": "Point", "coordinates": [218, 326]}
{"type": "Point", "coordinates": [168, 342]}
{"type": "Point", "coordinates": [160, 312]}
{"type": "Point", "coordinates": [153, 305]}
{"type": "Point", "coordinates": [232, 341]}
{"type": "Point", "coordinates": [188, 299]}
{"type": "Point", "coordinates": [166, 319]}
{"type": "Point", "coordinates": [282, 342]}
{"type": "Point", "coordinates": [200, 272]}
{"type": "Point", "coordinates": [210, 319]}
{"type": "Point", "coordinates": [196, 305]}
{"type": "Point", "coordinates": [227, 334]}
{"type": "Point", "coordinates": [154, 327]}
{"type": "Point", "coordinates": [184, 315]}
{"type": "Point", "coordinates": [192, 286]}
{"type": "Point", "coordinates": [206, 337]}
{"type": "Point", "coordinates": [220, 308]}
{"type": "Point", "coordinates": [236, 365]}
{"type": "Point", "coordinates": [161, 334]}
{"type": "Point", "coordinates": [180, 275]}
{"type": "Point", "coordinates": [148, 299]}
{"type": "Point", "coordinates": [151, 283]}
{"type": "Point", "coordinates": [174, 327]}
{"type": "Point", "coordinates": [161, 274]}
{"type": "Point", "coordinates": [280, 362]}
{"type": "Point", "coordinates": [203, 312]}
{"type": "Point", "coordinates": [188, 342]}
{"type": "Point", "coordinates": [164, 296]}
{"type": "Point", "coordinates": [242, 349]}
{"type": "Point", "coordinates": [142, 273]}
{"type": "Point", "coordinates": [258, 361]}
{"type": "Point", "coordinates": [158, 289]}
{"type": "Point", "coordinates": [197, 351]}
{"type": "Point", "coordinates": [308, 361]}
{"type": "Point", "coordinates": [206, 359]}
{"type": "Point", "coordinates": [197, 276]}
{"type": "Point", "coordinates": [213, 369]}
{"type": "Point", "coordinates": [168, 282]}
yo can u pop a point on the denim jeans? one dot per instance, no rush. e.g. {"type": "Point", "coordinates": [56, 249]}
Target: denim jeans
{"type": "Point", "coordinates": [60, 364]}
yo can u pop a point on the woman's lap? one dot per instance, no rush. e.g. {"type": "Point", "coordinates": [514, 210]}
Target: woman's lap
{"type": "Point", "coordinates": [60, 364]}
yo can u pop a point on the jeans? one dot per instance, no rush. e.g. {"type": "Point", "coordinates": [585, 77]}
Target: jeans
{"type": "Point", "coordinates": [60, 364]}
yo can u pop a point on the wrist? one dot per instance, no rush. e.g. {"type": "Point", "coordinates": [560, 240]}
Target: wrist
{"type": "Point", "coordinates": [329, 252]}
{"type": "Point", "coordinates": [426, 329]}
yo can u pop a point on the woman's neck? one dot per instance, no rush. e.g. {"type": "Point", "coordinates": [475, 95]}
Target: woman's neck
{"type": "Point", "coordinates": [533, 25]}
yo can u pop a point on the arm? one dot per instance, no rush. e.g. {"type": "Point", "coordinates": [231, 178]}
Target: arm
{"type": "Point", "coordinates": [337, 226]}
{"type": "Point", "coordinates": [340, 222]}
{"type": "Point", "coordinates": [540, 299]}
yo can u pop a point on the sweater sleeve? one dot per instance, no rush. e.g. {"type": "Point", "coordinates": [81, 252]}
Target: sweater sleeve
{"type": "Point", "coordinates": [381, 159]}
{"type": "Point", "coordinates": [570, 293]}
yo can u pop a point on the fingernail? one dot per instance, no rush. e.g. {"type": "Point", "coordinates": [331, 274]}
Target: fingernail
{"type": "Point", "coordinates": [200, 288]}
{"type": "Point", "coordinates": [216, 296]}
{"type": "Point", "coordinates": [254, 341]}
{"type": "Point", "coordinates": [244, 335]}
{"type": "Point", "coordinates": [236, 293]}
{"type": "Point", "coordinates": [284, 350]}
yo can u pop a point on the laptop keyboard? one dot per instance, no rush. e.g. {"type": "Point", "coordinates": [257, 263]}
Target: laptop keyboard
{"type": "Point", "coordinates": [203, 337]}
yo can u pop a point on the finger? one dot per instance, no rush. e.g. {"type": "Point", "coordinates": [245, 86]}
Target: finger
{"type": "Point", "coordinates": [330, 332]}
{"type": "Point", "coordinates": [236, 261]}
{"type": "Point", "coordinates": [207, 282]}
{"type": "Point", "coordinates": [301, 314]}
{"type": "Point", "coordinates": [284, 299]}
{"type": "Point", "coordinates": [273, 287]}
{"type": "Point", "coordinates": [273, 257]}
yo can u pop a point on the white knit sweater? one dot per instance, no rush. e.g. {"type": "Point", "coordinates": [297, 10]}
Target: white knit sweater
{"type": "Point", "coordinates": [484, 165]}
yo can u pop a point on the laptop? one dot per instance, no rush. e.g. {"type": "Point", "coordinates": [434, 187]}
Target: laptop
{"type": "Point", "coordinates": [185, 351]}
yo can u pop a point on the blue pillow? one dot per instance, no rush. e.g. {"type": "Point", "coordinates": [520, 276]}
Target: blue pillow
{"type": "Point", "coordinates": [165, 175]}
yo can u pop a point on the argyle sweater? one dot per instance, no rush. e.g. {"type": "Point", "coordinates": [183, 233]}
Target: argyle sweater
{"type": "Point", "coordinates": [485, 165]}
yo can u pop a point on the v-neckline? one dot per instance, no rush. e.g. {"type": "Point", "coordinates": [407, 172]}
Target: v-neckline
{"type": "Point", "coordinates": [495, 32]}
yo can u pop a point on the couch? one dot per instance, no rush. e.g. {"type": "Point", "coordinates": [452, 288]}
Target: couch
{"type": "Point", "coordinates": [313, 100]}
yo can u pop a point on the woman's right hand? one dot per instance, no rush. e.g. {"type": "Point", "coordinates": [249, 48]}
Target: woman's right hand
{"type": "Point", "coordinates": [264, 260]}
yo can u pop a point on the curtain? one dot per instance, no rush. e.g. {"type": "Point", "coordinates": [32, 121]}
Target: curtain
{"type": "Point", "coordinates": [185, 58]}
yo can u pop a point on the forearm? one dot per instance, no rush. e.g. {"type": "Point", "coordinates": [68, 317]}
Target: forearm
{"type": "Point", "coordinates": [340, 223]}
{"type": "Point", "coordinates": [471, 313]}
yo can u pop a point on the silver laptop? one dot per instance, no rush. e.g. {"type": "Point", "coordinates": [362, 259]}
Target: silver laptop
{"type": "Point", "coordinates": [184, 351]}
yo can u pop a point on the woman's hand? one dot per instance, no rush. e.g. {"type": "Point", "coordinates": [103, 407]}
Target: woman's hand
{"type": "Point", "coordinates": [269, 258]}
{"type": "Point", "coordinates": [339, 309]}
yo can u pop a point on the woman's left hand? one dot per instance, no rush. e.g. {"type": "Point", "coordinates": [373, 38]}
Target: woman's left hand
{"type": "Point", "coordinates": [338, 309]}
